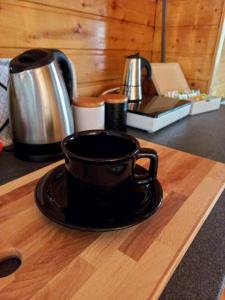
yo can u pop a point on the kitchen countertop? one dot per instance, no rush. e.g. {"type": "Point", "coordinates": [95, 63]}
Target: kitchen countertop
{"type": "Point", "coordinates": [201, 272]}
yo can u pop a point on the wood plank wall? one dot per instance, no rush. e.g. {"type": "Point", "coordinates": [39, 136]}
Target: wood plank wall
{"type": "Point", "coordinates": [98, 34]}
{"type": "Point", "coordinates": [95, 34]}
{"type": "Point", "coordinates": [192, 31]}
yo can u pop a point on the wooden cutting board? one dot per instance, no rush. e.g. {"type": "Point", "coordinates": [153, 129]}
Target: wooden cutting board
{"type": "Point", "coordinates": [135, 263]}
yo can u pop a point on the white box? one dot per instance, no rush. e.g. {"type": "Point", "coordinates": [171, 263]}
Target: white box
{"type": "Point", "coordinates": [169, 77]}
{"type": "Point", "coordinates": [198, 107]}
{"type": "Point", "coordinates": [153, 124]}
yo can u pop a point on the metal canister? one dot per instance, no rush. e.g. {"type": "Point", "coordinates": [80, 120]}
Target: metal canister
{"type": "Point", "coordinates": [115, 111]}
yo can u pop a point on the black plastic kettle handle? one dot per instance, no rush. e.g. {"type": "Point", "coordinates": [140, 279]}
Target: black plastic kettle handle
{"type": "Point", "coordinates": [146, 64]}
{"type": "Point", "coordinates": [67, 71]}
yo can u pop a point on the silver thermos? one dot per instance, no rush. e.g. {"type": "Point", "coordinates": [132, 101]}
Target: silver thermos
{"type": "Point", "coordinates": [132, 77]}
{"type": "Point", "coordinates": [41, 88]}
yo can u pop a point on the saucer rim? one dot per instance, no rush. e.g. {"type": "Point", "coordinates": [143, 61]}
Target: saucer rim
{"type": "Point", "coordinates": [145, 216]}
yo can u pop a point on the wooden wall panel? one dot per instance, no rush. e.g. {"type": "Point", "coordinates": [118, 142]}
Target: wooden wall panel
{"type": "Point", "coordinates": [96, 35]}
{"type": "Point", "coordinates": [124, 10]}
{"type": "Point", "coordinates": [99, 66]}
{"type": "Point", "coordinates": [191, 12]}
{"type": "Point", "coordinates": [39, 25]}
{"type": "Point", "coordinates": [192, 32]}
{"type": "Point", "coordinates": [188, 40]}
{"type": "Point", "coordinates": [91, 65]}
{"type": "Point", "coordinates": [194, 66]}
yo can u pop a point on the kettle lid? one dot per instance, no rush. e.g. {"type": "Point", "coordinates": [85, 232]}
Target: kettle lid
{"type": "Point", "coordinates": [31, 59]}
{"type": "Point", "coordinates": [136, 55]}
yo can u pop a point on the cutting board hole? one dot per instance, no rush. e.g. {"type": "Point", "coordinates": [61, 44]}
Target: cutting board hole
{"type": "Point", "coordinates": [9, 265]}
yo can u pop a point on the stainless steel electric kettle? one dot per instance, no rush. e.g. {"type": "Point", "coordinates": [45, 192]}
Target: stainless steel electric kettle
{"type": "Point", "coordinates": [41, 88]}
{"type": "Point", "coordinates": [131, 84]}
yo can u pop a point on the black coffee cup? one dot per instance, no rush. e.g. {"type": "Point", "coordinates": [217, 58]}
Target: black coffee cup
{"type": "Point", "coordinates": [105, 160]}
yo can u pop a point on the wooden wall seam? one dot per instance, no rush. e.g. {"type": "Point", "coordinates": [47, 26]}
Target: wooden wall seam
{"type": "Point", "coordinates": [69, 31]}
{"type": "Point", "coordinates": [62, 10]}
{"type": "Point", "coordinates": [98, 34]}
{"type": "Point", "coordinates": [94, 39]}
{"type": "Point", "coordinates": [60, 5]}
{"type": "Point", "coordinates": [150, 22]}
{"type": "Point", "coordinates": [192, 28]}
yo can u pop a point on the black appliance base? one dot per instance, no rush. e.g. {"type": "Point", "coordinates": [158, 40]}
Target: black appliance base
{"type": "Point", "coordinates": [39, 152]}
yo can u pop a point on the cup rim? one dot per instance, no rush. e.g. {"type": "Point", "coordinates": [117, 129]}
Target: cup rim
{"type": "Point", "coordinates": [97, 132]}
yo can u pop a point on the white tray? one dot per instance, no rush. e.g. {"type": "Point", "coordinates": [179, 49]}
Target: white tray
{"type": "Point", "coordinates": [169, 76]}
{"type": "Point", "coordinates": [199, 107]}
{"type": "Point", "coordinates": [150, 124]}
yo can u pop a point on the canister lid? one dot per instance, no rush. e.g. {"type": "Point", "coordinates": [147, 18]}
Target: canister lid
{"type": "Point", "coordinates": [114, 98]}
{"type": "Point", "coordinates": [88, 102]}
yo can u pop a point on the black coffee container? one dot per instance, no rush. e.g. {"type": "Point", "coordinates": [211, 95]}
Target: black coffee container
{"type": "Point", "coordinates": [115, 111]}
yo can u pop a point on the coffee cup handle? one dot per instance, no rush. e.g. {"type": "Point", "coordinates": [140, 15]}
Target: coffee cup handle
{"type": "Point", "coordinates": [153, 167]}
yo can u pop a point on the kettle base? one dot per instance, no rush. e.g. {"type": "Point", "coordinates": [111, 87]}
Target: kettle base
{"type": "Point", "coordinates": [38, 152]}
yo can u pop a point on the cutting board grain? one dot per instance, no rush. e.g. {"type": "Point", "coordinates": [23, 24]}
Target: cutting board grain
{"type": "Point", "coordinates": [135, 263]}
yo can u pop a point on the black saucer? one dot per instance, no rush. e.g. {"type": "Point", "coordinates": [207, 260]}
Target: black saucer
{"type": "Point", "coordinates": [93, 212]}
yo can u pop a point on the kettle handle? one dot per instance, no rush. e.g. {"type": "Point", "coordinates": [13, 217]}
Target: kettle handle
{"type": "Point", "coordinates": [145, 64]}
{"type": "Point", "coordinates": [68, 71]}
